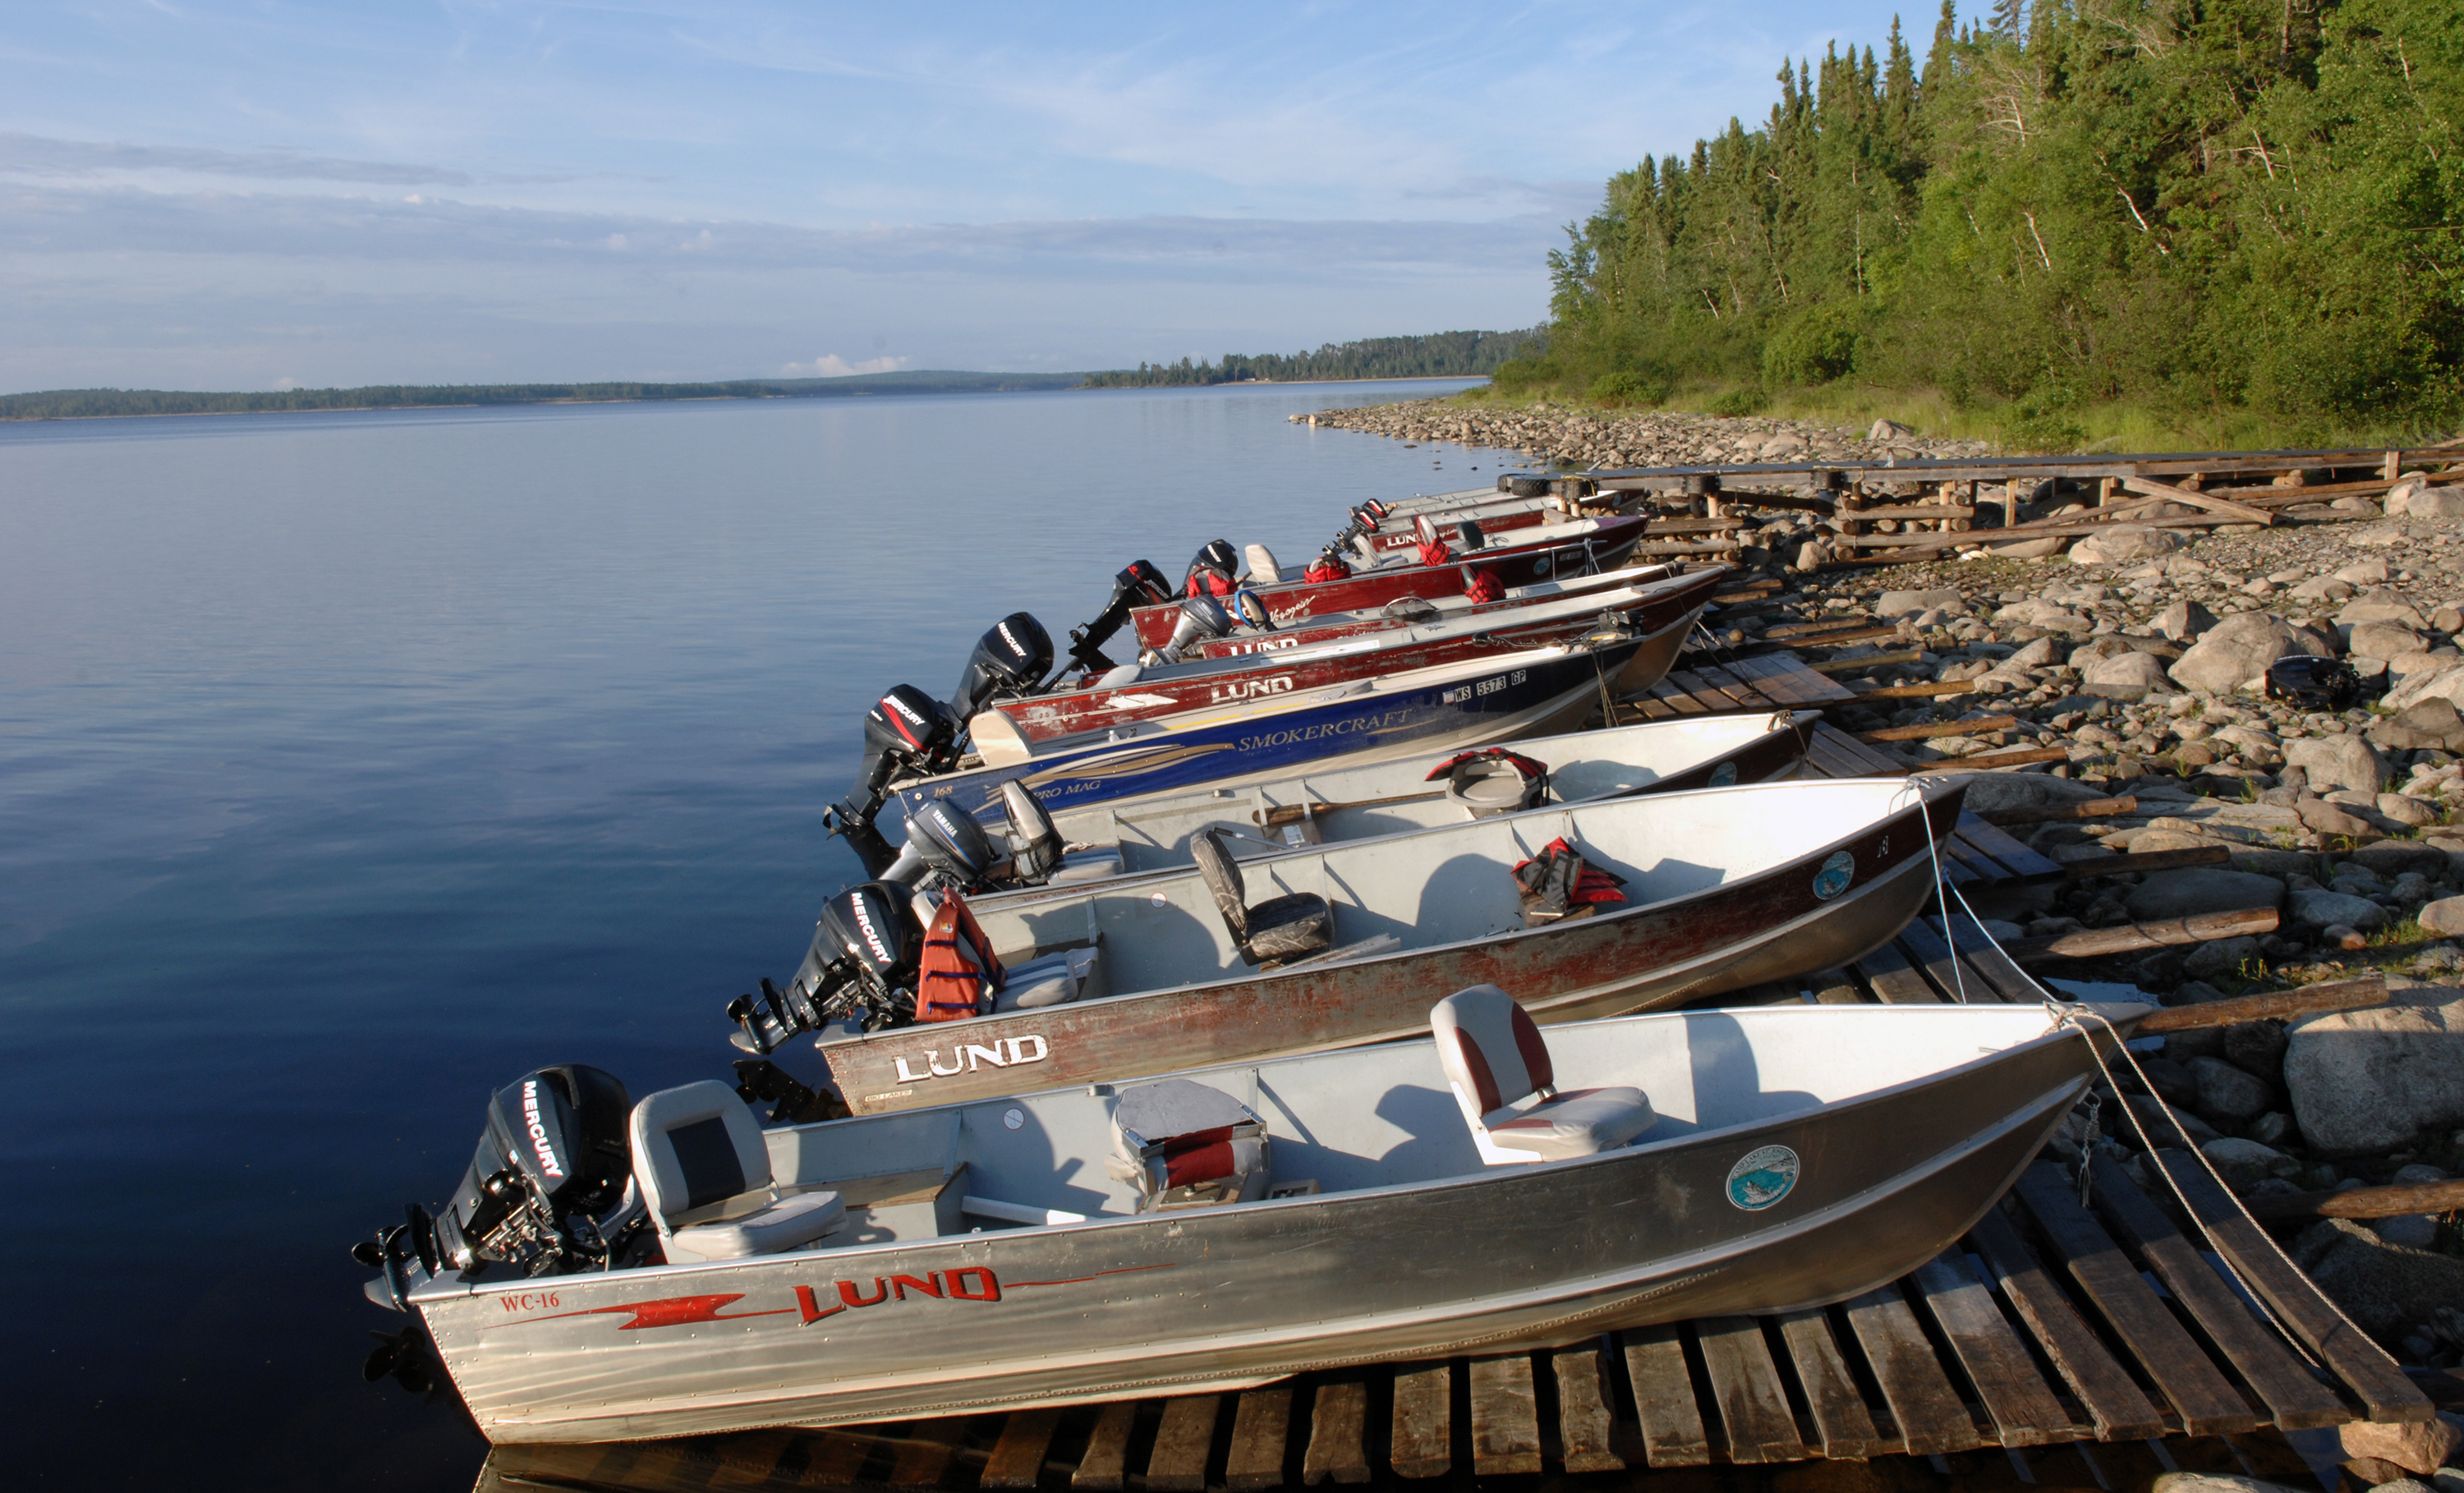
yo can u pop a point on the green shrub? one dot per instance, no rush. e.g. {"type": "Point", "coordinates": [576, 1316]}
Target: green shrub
{"type": "Point", "coordinates": [1813, 347]}
{"type": "Point", "coordinates": [1627, 388]}
{"type": "Point", "coordinates": [1749, 399]}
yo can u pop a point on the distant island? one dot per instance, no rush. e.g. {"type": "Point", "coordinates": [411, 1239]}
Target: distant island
{"type": "Point", "coordinates": [1445, 355]}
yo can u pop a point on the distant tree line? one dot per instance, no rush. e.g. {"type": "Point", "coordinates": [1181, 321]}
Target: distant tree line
{"type": "Point", "coordinates": [77, 403]}
{"type": "Point", "coordinates": [1442, 355]}
{"type": "Point", "coordinates": [2213, 209]}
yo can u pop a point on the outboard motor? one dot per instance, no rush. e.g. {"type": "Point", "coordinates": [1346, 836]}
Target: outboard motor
{"type": "Point", "coordinates": [906, 731]}
{"type": "Point", "coordinates": [1211, 570]}
{"type": "Point", "coordinates": [1202, 620]}
{"type": "Point", "coordinates": [1138, 585]}
{"type": "Point", "coordinates": [1011, 659]}
{"type": "Point", "coordinates": [548, 1191]}
{"type": "Point", "coordinates": [1468, 537]}
{"type": "Point", "coordinates": [946, 846]}
{"type": "Point", "coordinates": [867, 947]}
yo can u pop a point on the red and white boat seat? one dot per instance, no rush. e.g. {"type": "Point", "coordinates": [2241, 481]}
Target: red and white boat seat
{"type": "Point", "coordinates": [1495, 1059]}
{"type": "Point", "coordinates": [1275, 931]}
{"type": "Point", "coordinates": [704, 1171]}
{"type": "Point", "coordinates": [1184, 1145]}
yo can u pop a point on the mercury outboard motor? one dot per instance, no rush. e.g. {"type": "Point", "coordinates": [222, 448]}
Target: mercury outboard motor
{"type": "Point", "coordinates": [1011, 659]}
{"type": "Point", "coordinates": [1202, 620]}
{"type": "Point", "coordinates": [547, 1191]}
{"type": "Point", "coordinates": [1138, 585]}
{"type": "Point", "coordinates": [1211, 570]}
{"type": "Point", "coordinates": [865, 951]}
{"type": "Point", "coordinates": [907, 730]}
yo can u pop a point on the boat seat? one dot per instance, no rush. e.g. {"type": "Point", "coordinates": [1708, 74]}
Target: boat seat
{"type": "Point", "coordinates": [1095, 863]}
{"type": "Point", "coordinates": [704, 1172]}
{"type": "Point", "coordinates": [1274, 932]}
{"type": "Point", "coordinates": [1051, 980]}
{"type": "Point", "coordinates": [1184, 1145]}
{"type": "Point", "coordinates": [1495, 1057]}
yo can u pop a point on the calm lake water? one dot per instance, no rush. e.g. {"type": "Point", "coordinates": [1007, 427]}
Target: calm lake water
{"type": "Point", "coordinates": [352, 765]}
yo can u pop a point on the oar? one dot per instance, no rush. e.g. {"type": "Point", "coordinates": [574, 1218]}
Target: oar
{"type": "Point", "coordinates": [2343, 994]}
{"type": "Point", "coordinates": [1294, 813]}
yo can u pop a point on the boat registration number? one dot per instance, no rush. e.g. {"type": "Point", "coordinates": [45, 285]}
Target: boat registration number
{"type": "Point", "coordinates": [1490, 686]}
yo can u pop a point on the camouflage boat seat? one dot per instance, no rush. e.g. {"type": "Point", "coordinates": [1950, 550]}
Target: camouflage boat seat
{"type": "Point", "coordinates": [1272, 932]}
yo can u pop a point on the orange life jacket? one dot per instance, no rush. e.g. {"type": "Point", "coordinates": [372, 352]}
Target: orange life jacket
{"type": "Point", "coordinates": [958, 975]}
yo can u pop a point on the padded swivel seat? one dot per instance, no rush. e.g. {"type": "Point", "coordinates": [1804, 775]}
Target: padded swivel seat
{"type": "Point", "coordinates": [1274, 932]}
{"type": "Point", "coordinates": [1184, 1145]}
{"type": "Point", "coordinates": [1495, 1059]}
{"type": "Point", "coordinates": [704, 1172]}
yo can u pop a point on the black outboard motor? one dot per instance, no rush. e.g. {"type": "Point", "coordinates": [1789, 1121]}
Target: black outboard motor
{"type": "Point", "coordinates": [866, 950]}
{"type": "Point", "coordinates": [1211, 570]}
{"type": "Point", "coordinates": [907, 730]}
{"type": "Point", "coordinates": [1468, 537]}
{"type": "Point", "coordinates": [1011, 659]}
{"type": "Point", "coordinates": [956, 849]}
{"type": "Point", "coordinates": [545, 1193]}
{"type": "Point", "coordinates": [1138, 585]}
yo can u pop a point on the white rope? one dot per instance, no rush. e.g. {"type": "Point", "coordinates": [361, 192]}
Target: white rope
{"type": "Point", "coordinates": [1933, 850]}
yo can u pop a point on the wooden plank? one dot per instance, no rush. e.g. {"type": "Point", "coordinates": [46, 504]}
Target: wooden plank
{"type": "Point", "coordinates": [1797, 631]}
{"type": "Point", "coordinates": [2199, 500]}
{"type": "Point", "coordinates": [1855, 751]}
{"type": "Point", "coordinates": [1932, 1418]}
{"type": "Point", "coordinates": [1858, 666]}
{"type": "Point", "coordinates": [1184, 1439]}
{"type": "Point", "coordinates": [1839, 1415]}
{"type": "Point", "coordinates": [1105, 1463]}
{"type": "Point", "coordinates": [1260, 1427]}
{"type": "Point", "coordinates": [1505, 1416]}
{"type": "Point", "coordinates": [2343, 994]}
{"type": "Point", "coordinates": [2361, 1364]}
{"type": "Point", "coordinates": [1785, 679]}
{"type": "Point", "coordinates": [1930, 690]}
{"type": "Point", "coordinates": [2008, 981]}
{"type": "Point", "coordinates": [2060, 813]}
{"type": "Point", "coordinates": [1338, 1427]}
{"type": "Point", "coordinates": [1682, 701]}
{"type": "Point", "coordinates": [1994, 761]}
{"type": "Point", "coordinates": [2150, 860]}
{"type": "Point", "coordinates": [2015, 1395]}
{"type": "Point", "coordinates": [1836, 988]}
{"type": "Point", "coordinates": [2207, 1404]}
{"type": "Point", "coordinates": [1894, 982]}
{"type": "Point", "coordinates": [1927, 730]}
{"type": "Point", "coordinates": [1927, 950]}
{"type": "Point", "coordinates": [1585, 1429]}
{"type": "Point", "coordinates": [1016, 1461]}
{"type": "Point", "coordinates": [1707, 691]}
{"type": "Point", "coordinates": [2093, 943]}
{"type": "Point", "coordinates": [2296, 1402]}
{"type": "Point", "coordinates": [2113, 1401]}
{"type": "Point", "coordinates": [1745, 1383]}
{"type": "Point", "coordinates": [2009, 849]}
{"type": "Point", "coordinates": [1663, 1397]}
{"type": "Point", "coordinates": [923, 1457]}
{"type": "Point", "coordinates": [2358, 1202]}
{"type": "Point", "coordinates": [1421, 1443]}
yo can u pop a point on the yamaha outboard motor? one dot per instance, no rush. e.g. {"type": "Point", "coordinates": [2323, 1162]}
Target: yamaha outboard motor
{"type": "Point", "coordinates": [952, 847]}
{"type": "Point", "coordinates": [1011, 659]}
{"type": "Point", "coordinates": [906, 731]}
{"type": "Point", "coordinates": [546, 1191]}
{"type": "Point", "coordinates": [865, 951]}
{"type": "Point", "coordinates": [1138, 585]}
{"type": "Point", "coordinates": [1202, 620]}
{"type": "Point", "coordinates": [1211, 570]}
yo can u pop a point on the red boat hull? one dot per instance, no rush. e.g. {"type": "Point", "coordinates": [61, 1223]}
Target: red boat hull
{"type": "Point", "coordinates": [1408, 535]}
{"type": "Point", "coordinates": [1346, 625]}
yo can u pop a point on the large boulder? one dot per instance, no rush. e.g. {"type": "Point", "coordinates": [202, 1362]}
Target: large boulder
{"type": "Point", "coordinates": [2228, 1095]}
{"type": "Point", "coordinates": [1910, 603]}
{"type": "Point", "coordinates": [2384, 639]}
{"type": "Point", "coordinates": [2125, 541]}
{"type": "Point", "coordinates": [2244, 1164]}
{"type": "Point", "coordinates": [2374, 1080]}
{"type": "Point", "coordinates": [2340, 761]}
{"type": "Point", "coordinates": [2183, 621]}
{"type": "Point", "coordinates": [2239, 648]}
{"type": "Point", "coordinates": [2434, 723]}
{"type": "Point", "coordinates": [2387, 1289]}
{"type": "Point", "coordinates": [2336, 909]}
{"type": "Point", "coordinates": [2444, 918]}
{"type": "Point", "coordinates": [1987, 791]}
{"type": "Point", "coordinates": [2201, 890]}
{"type": "Point", "coordinates": [2436, 505]}
{"type": "Point", "coordinates": [2423, 1446]}
{"type": "Point", "coordinates": [2137, 670]}
{"type": "Point", "coordinates": [2383, 604]}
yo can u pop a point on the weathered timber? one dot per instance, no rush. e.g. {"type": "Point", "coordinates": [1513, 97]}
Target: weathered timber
{"type": "Point", "coordinates": [2023, 1409]}
{"type": "Point", "coordinates": [1663, 1398]}
{"type": "Point", "coordinates": [2150, 860]}
{"type": "Point", "coordinates": [1585, 1428]}
{"type": "Point", "coordinates": [1927, 730]}
{"type": "Point", "coordinates": [2237, 512]}
{"type": "Point", "coordinates": [1505, 1416]}
{"type": "Point", "coordinates": [2112, 1399]}
{"type": "Point", "coordinates": [2094, 808]}
{"type": "Point", "coordinates": [1858, 666]}
{"type": "Point", "coordinates": [1105, 1464]}
{"type": "Point", "coordinates": [1338, 1434]}
{"type": "Point", "coordinates": [1261, 1425]}
{"type": "Point", "coordinates": [1746, 1384]}
{"type": "Point", "coordinates": [1017, 1460]}
{"type": "Point", "coordinates": [2343, 994]}
{"type": "Point", "coordinates": [2360, 1202]}
{"type": "Point", "coordinates": [1420, 1443]}
{"type": "Point", "coordinates": [1840, 1418]}
{"type": "Point", "coordinates": [1932, 1418]}
{"type": "Point", "coordinates": [1914, 691]}
{"type": "Point", "coordinates": [1184, 1439]}
{"type": "Point", "coordinates": [2094, 943]}
{"type": "Point", "coordinates": [1988, 762]}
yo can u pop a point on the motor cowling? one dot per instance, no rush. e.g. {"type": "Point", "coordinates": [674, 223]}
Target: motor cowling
{"type": "Point", "coordinates": [872, 925]}
{"type": "Point", "coordinates": [1139, 584]}
{"type": "Point", "coordinates": [953, 844]}
{"type": "Point", "coordinates": [1012, 657]}
{"type": "Point", "coordinates": [1202, 620]}
{"type": "Point", "coordinates": [1211, 570]}
{"type": "Point", "coordinates": [551, 1169]}
{"type": "Point", "coordinates": [905, 730]}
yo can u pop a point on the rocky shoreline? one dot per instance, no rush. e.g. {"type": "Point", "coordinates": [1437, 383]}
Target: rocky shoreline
{"type": "Point", "coordinates": [1548, 432]}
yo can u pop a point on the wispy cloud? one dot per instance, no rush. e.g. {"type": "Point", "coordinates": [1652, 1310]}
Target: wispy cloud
{"type": "Point", "coordinates": [830, 365]}
{"type": "Point", "coordinates": [39, 154]}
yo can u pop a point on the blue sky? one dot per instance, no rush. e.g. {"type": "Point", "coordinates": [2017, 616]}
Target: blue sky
{"type": "Point", "coordinates": [210, 195]}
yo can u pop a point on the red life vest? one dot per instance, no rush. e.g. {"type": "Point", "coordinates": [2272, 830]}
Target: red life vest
{"type": "Point", "coordinates": [1482, 585]}
{"type": "Point", "coordinates": [958, 975]}
{"type": "Point", "coordinates": [1434, 552]}
{"type": "Point", "coordinates": [1206, 581]}
{"type": "Point", "coordinates": [1325, 568]}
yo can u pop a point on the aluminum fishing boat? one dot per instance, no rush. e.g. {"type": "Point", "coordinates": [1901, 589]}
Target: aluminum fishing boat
{"type": "Point", "coordinates": [1340, 944]}
{"type": "Point", "coordinates": [1412, 611]}
{"type": "Point", "coordinates": [1226, 1227]}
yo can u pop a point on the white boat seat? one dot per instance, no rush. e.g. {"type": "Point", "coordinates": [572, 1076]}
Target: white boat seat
{"type": "Point", "coordinates": [1093, 864]}
{"type": "Point", "coordinates": [704, 1172]}
{"type": "Point", "coordinates": [1184, 1145]}
{"type": "Point", "coordinates": [1051, 980]}
{"type": "Point", "coordinates": [1495, 1057]}
{"type": "Point", "coordinates": [1274, 932]}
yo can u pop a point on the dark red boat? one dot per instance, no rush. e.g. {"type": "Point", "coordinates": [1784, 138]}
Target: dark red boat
{"type": "Point", "coordinates": [1603, 546]}
{"type": "Point", "coordinates": [1521, 514]}
{"type": "Point", "coordinates": [1329, 627]}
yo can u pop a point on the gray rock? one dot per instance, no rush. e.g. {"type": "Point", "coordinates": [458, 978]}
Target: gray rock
{"type": "Point", "coordinates": [2384, 1287]}
{"type": "Point", "coordinates": [2392, 858]}
{"type": "Point", "coordinates": [2125, 542]}
{"type": "Point", "coordinates": [2214, 1483]}
{"type": "Point", "coordinates": [2239, 649]}
{"type": "Point", "coordinates": [2183, 622]}
{"type": "Point", "coordinates": [2162, 1122]}
{"type": "Point", "coordinates": [2339, 762]}
{"type": "Point", "coordinates": [2140, 670]}
{"type": "Point", "coordinates": [2219, 957]}
{"type": "Point", "coordinates": [1889, 430]}
{"type": "Point", "coordinates": [2372, 1080]}
{"type": "Point", "coordinates": [2243, 1164]}
{"type": "Point", "coordinates": [2027, 791]}
{"type": "Point", "coordinates": [2382, 603]}
{"type": "Point", "coordinates": [2408, 810]}
{"type": "Point", "coordinates": [2256, 1047]}
{"type": "Point", "coordinates": [2029, 549]}
{"type": "Point", "coordinates": [2203, 889]}
{"type": "Point", "coordinates": [1909, 603]}
{"type": "Point", "coordinates": [2437, 505]}
{"type": "Point", "coordinates": [2335, 909]}
{"type": "Point", "coordinates": [2384, 639]}
{"type": "Point", "coordinates": [2411, 1230]}
{"type": "Point", "coordinates": [2326, 818]}
{"type": "Point", "coordinates": [2432, 723]}
{"type": "Point", "coordinates": [2228, 1095]}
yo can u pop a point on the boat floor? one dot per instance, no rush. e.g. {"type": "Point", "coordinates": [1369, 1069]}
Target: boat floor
{"type": "Point", "coordinates": [2034, 1353]}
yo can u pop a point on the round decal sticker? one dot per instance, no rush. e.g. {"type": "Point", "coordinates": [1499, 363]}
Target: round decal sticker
{"type": "Point", "coordinates": [1541, 566]}
{"type": "Point", "coordinates": [1013, 1118]}
{"type": "Point", "coordinates": [1160, 900]}
{"type": "Point", "coordinates": [1762, 1178]}
{"type": "Point", "coordinates": [1725, 776]}
{"type": "Point", "coordinates": [1835, 876]}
